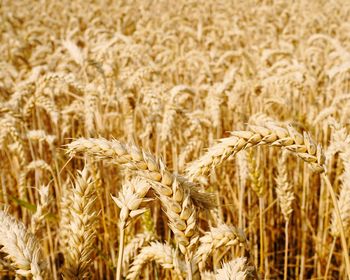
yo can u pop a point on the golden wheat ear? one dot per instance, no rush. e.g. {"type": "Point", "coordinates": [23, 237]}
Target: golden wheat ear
{"type": "Point", "coordinates": [81, 228]}
{"type": "Point", "coordinates": [21, 247]}
{"type": "Point", "coordinates": [272, 135]}
{"type": "Point", "coordinates": [162, 254]}
{"type": "Point", "coordinates": [134, 158]}
{"type": "Point", "coordinates": [236, 269]}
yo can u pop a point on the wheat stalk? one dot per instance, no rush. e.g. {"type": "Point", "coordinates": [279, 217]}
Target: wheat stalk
{"type": "Point", "coordinates": [343, 199]}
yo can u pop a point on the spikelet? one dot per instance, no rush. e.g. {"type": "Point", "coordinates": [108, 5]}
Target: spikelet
{"type": "Point", "coordinates": [208, 275]}
{"type": "Point", "coordinates": [130, 199]}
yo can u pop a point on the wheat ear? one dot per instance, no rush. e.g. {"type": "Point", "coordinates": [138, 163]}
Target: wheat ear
{"type": "Point", "coordinates": [81, 228]}
{"type": "Point", "coordinates": [285, 196]}
{"type": "Point", "coordinates": [163, 254]}
{"type": "Point", "coordinates": [221, 236]}
{"type": "Point", "coordinates": [182, 216]}
{"type": "Point", "coordinates": [41, 209]}
{"type": "Point", "coordinates": [271, 134]}
{"type": "Point", "coordinates": [65, 215]}
{"type": "Point", "coordinates": [21, 247]}
{"type": "Point", "coordinates": [178, 196]}
{"type": "Point", "coordinates": [134, 158]}
{"type": "Point", "coordinates": [236, 269]}
{"type": "Point", "coordinates": [284, 189]}
{"type": "Point", "coordinates": [134, 246]}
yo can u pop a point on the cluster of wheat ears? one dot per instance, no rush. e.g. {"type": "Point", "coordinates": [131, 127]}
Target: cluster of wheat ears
{"type": "Point", "coordinates": [160, 139]}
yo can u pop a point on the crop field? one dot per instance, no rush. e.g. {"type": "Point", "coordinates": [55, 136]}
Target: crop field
{"type": "Point", "coordinates": [174, 139]}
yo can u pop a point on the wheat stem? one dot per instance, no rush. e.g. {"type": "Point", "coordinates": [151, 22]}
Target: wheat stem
{"type": "Point", "coordinates": [286, 250]}
{"type": "Point", "coordinates": [330, 257]}
{"type": "Point", "coordinates": [261, 232]}
{"type": "Point", "coordinates": [342, 233]}
{"type": "Point", "coordinates": [121, 250]}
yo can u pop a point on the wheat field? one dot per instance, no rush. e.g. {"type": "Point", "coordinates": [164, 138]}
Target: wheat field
{"type": "Point", "coordinates": [144, 139]}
